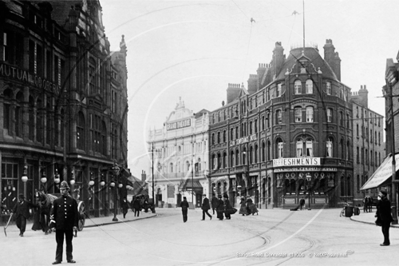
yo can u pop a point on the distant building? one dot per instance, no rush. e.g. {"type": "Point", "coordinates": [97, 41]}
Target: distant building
{"type": "Point", "coordinates": [63, 102]}
{"type": "Point", "coordinates": [180, 157]}
{"type": "Point", "coordinates": [368, 143]}
{"type": "Point", "coordinates": [290, 135]}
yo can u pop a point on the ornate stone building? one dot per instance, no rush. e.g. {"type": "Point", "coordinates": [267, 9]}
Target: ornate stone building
{"type": "Point", "coordinates": [63, 101]}
{"type": "Point", "coordinates": [180, 157]}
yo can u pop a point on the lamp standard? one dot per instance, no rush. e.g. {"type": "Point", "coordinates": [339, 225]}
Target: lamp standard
{"type": "Point", "coordinates": [309, 179]}
{"type": "Point", "coordinates": [24, 177]}
{"type": "Point", "coordinates": [152, 173]}
{"type": "Point", "coordinates": [116, 171]}
{"type": "Point", "coordinates": [43, 180]}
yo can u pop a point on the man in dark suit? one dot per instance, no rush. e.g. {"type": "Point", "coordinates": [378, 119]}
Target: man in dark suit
{"type": "Point", "coordinates": [64, 221]}
{"type": "Point", "coordinates": [384, 216]}
{"type": "Point", "coordinates": [205, 207]}
{"type": "Point", "coordinates": [21, 211]}
{"type": "Point", "coordinates": [184, 208]}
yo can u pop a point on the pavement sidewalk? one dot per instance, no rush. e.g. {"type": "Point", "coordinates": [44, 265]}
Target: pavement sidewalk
{"type": "Point", "coordinates": [368, 218]}
{"type": "Point", "coordinates": [96, 221]}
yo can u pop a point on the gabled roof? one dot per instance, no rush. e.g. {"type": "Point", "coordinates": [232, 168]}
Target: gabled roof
{"type": "Point", "coordinates": [314, 58]}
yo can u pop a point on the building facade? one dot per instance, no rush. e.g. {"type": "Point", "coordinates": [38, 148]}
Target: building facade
{"type": "Point", "coordinates": [179, 154]}
{"type": "Point", "coordinates": [368, 143]}
{"type": "Point", "coordinates": [289, 136]}
{"type": "Point", "coordinates": [63, 102]}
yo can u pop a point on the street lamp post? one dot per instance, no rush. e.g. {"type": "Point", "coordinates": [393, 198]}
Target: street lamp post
{"type": "Point", "coordinates": [24, 177]}
{"type": "Point", "coordinates": [309, 179]}
{"type": "Point", "coordinates": [116, 171]}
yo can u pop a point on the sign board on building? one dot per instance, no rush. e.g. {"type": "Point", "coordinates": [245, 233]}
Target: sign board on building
{"type": "Point", "coordinates": [296, 161]}
{"type": "Point", "coordinates": [306, 169]}
{"type": "Point", "coordinates": [178, 124]}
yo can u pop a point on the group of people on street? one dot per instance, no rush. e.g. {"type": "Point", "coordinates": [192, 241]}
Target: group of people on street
{"type": "Point", "coordinates": [222, 207]}
{"type": "Point", "coordinates": [247, 207]}
{"type": "Point", "coordinates": [367, 204]}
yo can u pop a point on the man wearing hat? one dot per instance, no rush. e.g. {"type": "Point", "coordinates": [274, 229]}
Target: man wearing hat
{"type": "Point", "coordinates": [21, 211]}
{"type": "Point", "coordinates": [205, 207]}
{"type": "Point", "coordinates": [384, 216]}
{"type": "Point", "coordinates": [64, 220]}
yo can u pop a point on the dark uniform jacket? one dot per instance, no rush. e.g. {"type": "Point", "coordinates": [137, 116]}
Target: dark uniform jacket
{"type": "Point", "coordinates": [384, 210]}
{"type": "Point", "coordinates": [64, 213]}
{"type": "Point", "coordinates": [205, 204]}
{"type": "Point", "coordinates": [184, 205]}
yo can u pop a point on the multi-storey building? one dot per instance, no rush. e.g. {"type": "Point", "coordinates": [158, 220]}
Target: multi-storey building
{"type": "Point", "coordinates": [289, 136]}
{"type": "Point", "coordinates": [368, 143]}
{"type": "Point", "coordinates": [63, 101]}
{"type": "Point", "coordinates": [179, 155]}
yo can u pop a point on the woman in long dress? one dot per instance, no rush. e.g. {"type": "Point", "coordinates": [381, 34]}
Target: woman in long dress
{"type": "Point", "coordinates": [243, 207]}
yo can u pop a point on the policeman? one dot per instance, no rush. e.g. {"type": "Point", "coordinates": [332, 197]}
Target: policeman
{"type": "Point", "coordinates": [64, 221]}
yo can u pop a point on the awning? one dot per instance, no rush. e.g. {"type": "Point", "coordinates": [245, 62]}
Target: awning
{"type": "Point", "coordinates": [192, 185]}
{"type": "Point", "coordinates": [382, 175]}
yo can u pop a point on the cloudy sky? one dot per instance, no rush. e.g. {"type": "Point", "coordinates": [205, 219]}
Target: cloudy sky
{"type": "Point", "coordinates": [193, 49]}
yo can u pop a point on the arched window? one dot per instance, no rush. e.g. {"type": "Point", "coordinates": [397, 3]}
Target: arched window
{"type": "Point", "coordinates": [224, 136]}
{"type": "Point", "coordinates": [103, 144]}
{"type": "Point", "coordinates": [269, 148]}
{"type": "Point", "coordinates": [328, 88]}
{"type": "Point", "coordinates": [232, 159]}
{"type": "Point", "coordinates": [171, 167]}
{"type": "Point", "coordinates": [348, 154]}
{"type": "Point", "coordinates": [214, 162]}
{"type": "Point", "coordinates": [309, 114]}
{"type": "Point", "coordinates": [297, 87]}
{"type": "Point", "coordinates": [224, 160]}
{"type": "Point", "coordinates": [244, 159]}
{"type": "Point", "coordinates": [263, 151]}
{"type": "Point", "coordinates": [329, 115]}
{"type": "Point", "coordinates": [309, 86]}
{"type": "Point", "coordinates": [279, 148]}
{"type": "Point", "coordinates": [7, 110]}
{"type": "Point", "coordinates": [237, 157]}
{"type": "Point", "coordinates": [279, 117]}
{"type": "Point", "coordinates": [342, 150]}
{"type": "Point", "coordinates": [213, 138]}
{"type": "Point", "coordinates": [218, 137]}
{"type": "Point", "coordinates": [329, 148]}
{"type": "Point", "coordinates": [251, 155]}
{"type": "Point", "coordinates": [298, 114]}
{"type": "Point", "coordinates": [219, 160]}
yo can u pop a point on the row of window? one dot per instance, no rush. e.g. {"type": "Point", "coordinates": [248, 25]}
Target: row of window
{"type": "Point", "coordinates": [370, 158]}
{"type": "Point", "coordinates": [369, 137]}
{"type": "Point", "coordinates": [46, 125]}
{"type": "Point", "coordinates": [304, 148]}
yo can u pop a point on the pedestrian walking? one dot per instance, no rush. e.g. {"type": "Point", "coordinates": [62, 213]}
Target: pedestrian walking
{"type": "Point", "coordinates": [214, 203]}
{"type": "Point", "coordinates": [21, 212]}
{"type": "Point", "coordinates": [205, 207]}
{"type": "Point", "coordinates": [184, 208]}
{"type": "Point", "coordinates": [243, 207]}
{"type": "Point", "coordinates": [302, 203]}
{"type": "Point", "coordinates": [64, 221]}
{"type": "Point", "coordinates": [220, 208]}
{"type": "Point", "coordinates": [125, 207]}
{"type": "Point", "coordinates": [227, 207]}
{"type": "Point", "coordinates": [36, 215]}
{"type": "Point", "coordinates": [384, 216]}
{"type": "Point", "coordinates": [136, 206]}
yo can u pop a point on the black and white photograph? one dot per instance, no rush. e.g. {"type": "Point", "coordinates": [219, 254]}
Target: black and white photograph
{"type": "Point", "coordinates": [199, 132]}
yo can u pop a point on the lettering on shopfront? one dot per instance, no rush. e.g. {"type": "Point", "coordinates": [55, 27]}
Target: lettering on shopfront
{"type": "Point", "coordinates": [296, 161]}
{"type": "Point", "coordinates": [306, 169]}
{"type": "Point", "coordinates": [23, 76]}
{"type": "Point", "coordinates": [178, 124]}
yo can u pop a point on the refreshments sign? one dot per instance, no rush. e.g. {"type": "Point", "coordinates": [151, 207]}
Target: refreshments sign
{"type": "Point", "coordinates": [296, 161]}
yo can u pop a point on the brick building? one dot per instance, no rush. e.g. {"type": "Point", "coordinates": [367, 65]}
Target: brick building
{"type": "Point", "coordinates": [289, 136]}
{"type": "Point", "coordinates": [63, 101]}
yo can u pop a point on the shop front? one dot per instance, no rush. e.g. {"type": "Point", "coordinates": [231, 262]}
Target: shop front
{"type": "Point", "coordinates": [303, 181]}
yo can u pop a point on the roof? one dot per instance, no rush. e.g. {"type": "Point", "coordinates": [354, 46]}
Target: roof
{"type": "Point", "coordinates": [314, 58]}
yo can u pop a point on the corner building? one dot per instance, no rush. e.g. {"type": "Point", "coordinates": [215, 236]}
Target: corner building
{"type": "Point", "coordinates": [288, 136]}
{"type": "Point", "coordinates": [63, 102]}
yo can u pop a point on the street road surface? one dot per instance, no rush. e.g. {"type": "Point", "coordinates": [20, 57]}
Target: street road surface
{"type": "Point", "coordinates": [274, 237]}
